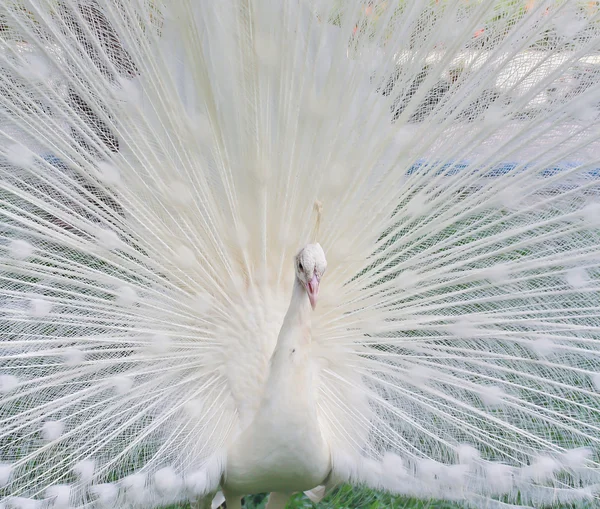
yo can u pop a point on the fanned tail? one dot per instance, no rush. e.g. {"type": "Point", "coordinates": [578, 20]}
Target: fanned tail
{"type": "Point", "coordinates": [159, 165]}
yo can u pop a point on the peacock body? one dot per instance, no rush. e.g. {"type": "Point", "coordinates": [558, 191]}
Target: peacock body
{"type": "Point", "coordinates": [284, 449]}
{"type": "Point", "coordinates": [165, 165]}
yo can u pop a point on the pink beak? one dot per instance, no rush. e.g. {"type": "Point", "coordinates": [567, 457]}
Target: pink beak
{"type": "Point", "coordinates": [312, 288]}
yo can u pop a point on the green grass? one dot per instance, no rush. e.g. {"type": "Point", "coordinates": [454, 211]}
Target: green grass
{"type": "Point", "coordinates": [346, 497]}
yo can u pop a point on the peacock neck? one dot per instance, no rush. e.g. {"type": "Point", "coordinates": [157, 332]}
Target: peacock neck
{"type": "Point", "coordinates": [296, 318]}
{"type": "Point", "coordinates": [294, 335]}
{"type": "Point", "coordinates": [289, 365]}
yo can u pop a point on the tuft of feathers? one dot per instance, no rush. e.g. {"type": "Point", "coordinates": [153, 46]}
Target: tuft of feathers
{"type": "Point", "coordinates": [59, 495]}
{"type": "Point", "coordinates": [5, 471]}
{"type": "Point", "coordinates": [52, 430]}
{"type": "Point", "coordinates": [106, 493]}
{"type": "Point", "coordinates": [85, 469]}
{"type": "Point", "coordinates": [8, 383]}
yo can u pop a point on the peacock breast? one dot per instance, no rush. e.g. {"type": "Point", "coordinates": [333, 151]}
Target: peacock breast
{"type": "Point", "coordinates": [284, 448]}
{"type": "Point", "coordinates": [278, 459]}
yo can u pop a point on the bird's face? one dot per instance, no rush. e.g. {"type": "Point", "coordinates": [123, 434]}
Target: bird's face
{"type": "Point", "coordinates": [310, 267]}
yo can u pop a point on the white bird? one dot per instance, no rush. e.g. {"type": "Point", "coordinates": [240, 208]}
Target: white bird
{"type": "Point", "coordinates": [169, 171]}
{"type": "Point", "coordinates": [284, 448]}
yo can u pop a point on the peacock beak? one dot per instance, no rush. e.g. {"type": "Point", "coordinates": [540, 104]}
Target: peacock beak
{"type": "Point", "coordinates": [312, 288]}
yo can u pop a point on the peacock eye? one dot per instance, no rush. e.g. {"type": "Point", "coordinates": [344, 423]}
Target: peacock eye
{"type": "Point", "coordinates": [300, 266]}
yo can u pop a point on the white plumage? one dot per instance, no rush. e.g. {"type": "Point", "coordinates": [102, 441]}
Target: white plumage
{"type": "Point", "coordinates": [283, 448]}
{"type": "Point", "coordinates": [162, 164]}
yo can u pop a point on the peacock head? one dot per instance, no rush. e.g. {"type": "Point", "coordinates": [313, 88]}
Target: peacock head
{"type": "Point", "coordinates": [310, 267]}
